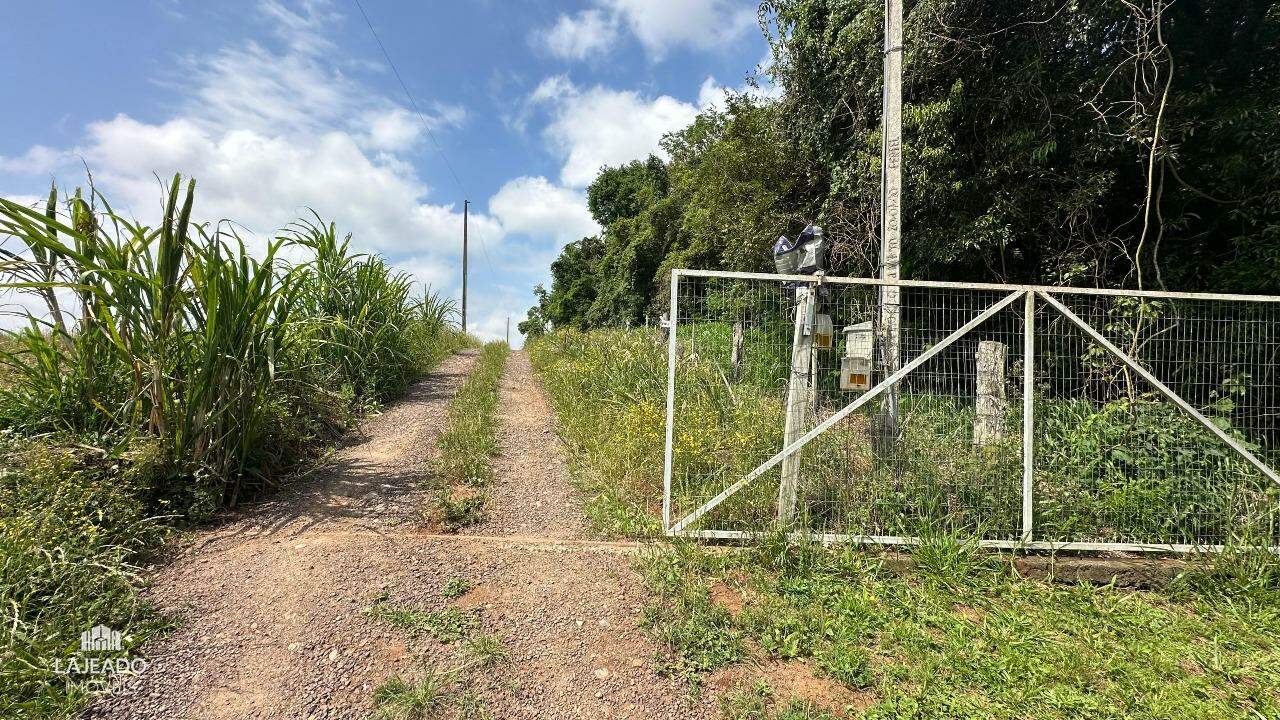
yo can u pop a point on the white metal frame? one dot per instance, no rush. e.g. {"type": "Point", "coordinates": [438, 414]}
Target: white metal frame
{"type": "Point", "coordinates": [1029, 294]}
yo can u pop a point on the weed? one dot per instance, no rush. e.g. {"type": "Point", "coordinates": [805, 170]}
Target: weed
{"type": "Point", "coordinates": [485, 650]}
{"type": "Point", "coordinates": [468, 443]}
{"type": "Point", "coordinates": [608, 390]}
{"type": "Point", "coordinates": [420, 699]}
{"type": "Point", "coordinates": [697, 634]}
{"type": "Point", "coordinates": [456, 587]}
{"type": "Point", "coordinates": [930, 648]}
{"type": "Point", "coordinates": [469, 439]}
{"type": "Point", "coordinates": [749, 704]}
{"type": "Point", "coordinates": [447, 626]}
{"type": "Point", "coordinates": [952, 560]}
{"type": "Point", "coordinates": [457, 513]}
{"type": "Point", "coordinates": [470, 706]}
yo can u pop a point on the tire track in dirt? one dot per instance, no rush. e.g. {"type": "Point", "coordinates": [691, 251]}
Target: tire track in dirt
{"type": "Point", "coordinates": [269, 626]}
{"type": "Point", "coordinates": [530, 494]}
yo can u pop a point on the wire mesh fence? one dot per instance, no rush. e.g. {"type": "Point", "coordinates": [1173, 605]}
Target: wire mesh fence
{"type": "Point", "coordinates": [1154, 419]}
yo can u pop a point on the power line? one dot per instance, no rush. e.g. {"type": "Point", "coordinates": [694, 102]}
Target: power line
{"type": "Point", "coordinates": [425, 125]}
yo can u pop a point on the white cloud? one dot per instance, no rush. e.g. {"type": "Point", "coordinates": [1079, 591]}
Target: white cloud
{"type": "Point", "coordinates": [703, 24]}
{"type": "Point", "coordinates": [711, 94]}
{"type": "Point", "coordinates": [597, 126]}
{"type": "Point", "coordinates": [30, 201]}
{"type": "Point", "coordinates": [270, 133]}
{"type": "Point", "coordinates": [659, 25]}
{"type": "Point", "coordinates": [535, 206]}
{"type": "Point", "coordinates": [303, 29]}
{"type": "Point", "coordinates": [271, 129]}
{"type": "Point", "coordinates": [264, 181]}
{"type": "Point", "coordinates": [578, 36]}
{"type": "Point", "coordinates": [34, 160]}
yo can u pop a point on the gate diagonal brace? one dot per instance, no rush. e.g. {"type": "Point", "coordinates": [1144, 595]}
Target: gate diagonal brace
{"type": "Point", "coordinates": [1177, 399]}
{"type": "Point", "coordinates": [847, 410]}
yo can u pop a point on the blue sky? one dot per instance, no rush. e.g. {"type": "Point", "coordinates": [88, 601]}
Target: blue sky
{"type": "Point", "coordinates": [275, 106]}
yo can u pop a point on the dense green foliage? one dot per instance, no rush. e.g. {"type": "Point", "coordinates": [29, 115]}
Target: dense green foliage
{"type": "Point", "coordinates": [172, 374]}
{"type": "Point", "coordinates": [1090, 143]}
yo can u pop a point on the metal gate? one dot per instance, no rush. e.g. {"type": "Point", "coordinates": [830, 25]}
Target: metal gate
{"type": "Point", "coordinates": [1037, 417]}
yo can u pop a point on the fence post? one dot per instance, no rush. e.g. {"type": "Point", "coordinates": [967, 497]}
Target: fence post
{"type": "Point", "coordinates": [797, 404]}
{"type": "Point", "coordinates": [735, 354]}
{"type": "Point", "coordinates": [988, 419]}
{"type": "Point", "coordinates": [1028, 413]}
{"type": "Point", "coordinates": [669, 331]}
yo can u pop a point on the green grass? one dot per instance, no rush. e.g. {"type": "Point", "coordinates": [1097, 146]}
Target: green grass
{"type": "Point", "coordinates": [958, 635]}
{"type": "Point", "coordinates": [1128, 470]}
{"type": "Point", "coordinates": [608, 390]}
{"type": "Point", "coordinates": [456, 587]}
{"type": "Point", "coordinates": [173, 375]}
{"type": "Point", "coordinates": [468, 443]}
{"type": "Point", "coordinates": [437, 692]}
{"type": "Point", "coordinates": [469, 440]}
{"type": "Point", "coordinates": [454, 513]}
{"type": "Point", "coordinates": [448, 625]}
{"type": "Point", "coordinates": [421, 698]}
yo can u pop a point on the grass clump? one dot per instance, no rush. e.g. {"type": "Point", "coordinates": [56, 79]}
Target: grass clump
{"type": "Point", "coordinates": [422, 698]}
{"type": "Point", "coordinates": [456, 587]}
{"type": "Point", "coordinates": [163, 373]}
{"type": "Point", "coordinates": [447, 626]}
{"type": "Point", "coordinates": [485, 650]}
{"type": "Point", "coordinates": [436, 692]}
{"type": "Point", "coordinates": [454, 510]}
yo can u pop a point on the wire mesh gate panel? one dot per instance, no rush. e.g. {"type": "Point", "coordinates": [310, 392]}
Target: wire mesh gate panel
{"type": "Point", "coordinates": [1027, 416]}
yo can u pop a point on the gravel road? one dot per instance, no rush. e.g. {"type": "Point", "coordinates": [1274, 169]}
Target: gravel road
{"type": "Point", "coordinates": [271, 604]}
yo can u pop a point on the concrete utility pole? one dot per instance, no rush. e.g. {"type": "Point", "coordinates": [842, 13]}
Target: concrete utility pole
{"type": "Point", "coordinates": [891, 207]}
{"type": "Point", "coordinates": [508, 330]}
{"type": "Point", "coordinates": [465, 204]}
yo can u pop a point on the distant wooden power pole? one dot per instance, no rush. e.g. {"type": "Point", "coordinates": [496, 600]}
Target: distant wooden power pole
{"type": "Point", "coordinates": [891, 208]}
{"type": "Point", "coordinates": [466, 204]}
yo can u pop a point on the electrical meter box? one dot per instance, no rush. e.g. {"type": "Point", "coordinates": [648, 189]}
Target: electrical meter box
{"type": "Point", "coordinates": [787, 255]}
{"type": "Point", "coordinates": [806, 255]}
{"type": "Point", "coordinates": [856, 365]}
{"type": "Point", "coordinates": [823, 332]}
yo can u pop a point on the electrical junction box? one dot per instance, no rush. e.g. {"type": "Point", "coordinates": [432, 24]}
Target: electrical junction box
{"type": "Point", "coordinates": [856, 365]}
{"type": "Point", "coordinates": [823, 332]}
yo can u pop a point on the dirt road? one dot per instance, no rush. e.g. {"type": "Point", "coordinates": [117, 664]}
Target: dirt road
{"type": "Point", "coordinates": [272, 604]}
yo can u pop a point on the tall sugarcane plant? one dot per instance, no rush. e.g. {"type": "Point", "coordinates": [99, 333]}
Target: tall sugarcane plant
{"type": "Point", "coordinates": [178, 333]}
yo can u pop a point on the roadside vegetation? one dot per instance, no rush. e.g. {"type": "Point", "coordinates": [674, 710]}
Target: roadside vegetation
{"type": "Point", "coordinates": [957, 634]}
{"type": "Point", "coordinates": [608, 389]}
{"type": "Point", "coordinates": [953, 632]}
{"type": "Point", "coordinates": [161, 374]}
{"type": "Point", "coordinates": [468, 443]}
{"type": "Point", "coordinates": [993, 190]}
